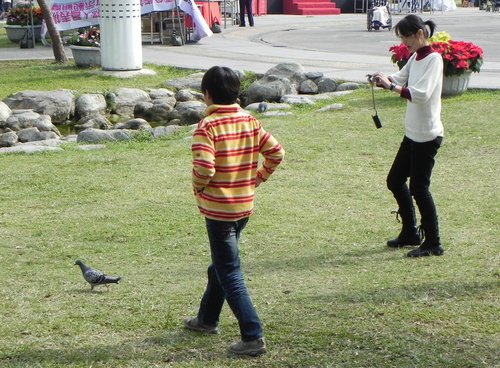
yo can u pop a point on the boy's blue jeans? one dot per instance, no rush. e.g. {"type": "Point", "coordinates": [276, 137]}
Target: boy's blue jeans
{"type": "Point", "coordinates": [225, 280]}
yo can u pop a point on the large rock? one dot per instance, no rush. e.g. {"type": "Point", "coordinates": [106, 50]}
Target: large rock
{"type": "Point", "coordinates": [314, 75]}
{"type": "Point", "coordinates": [28, 148]}
{"type": "Point", "coordinates": [326, 85]}
{"type": "Point", "coordinates": [90, 104]}
{"type": "Point", "coordinates": [189, 112]}
{"type": "Point", "coordinates": [297, 100]}
{"type": "Point", "coordinates": [8, 139]}
{"type": "Point", "coordinates": [292, 71]}
{"type": "Point", "coordinates": [348, 86]}
{"type": "Point", "coordinates": [156, 111]}
{"type": "Point", "coordinates": [96, 135]}
{"type": "Point", "coordinates": [44, 124]}
{"type": "Point", "coordinates": [5, 112]}
{"type": "Point", "coordinates": [58, 104]}
{"type": "Point", "coordinates": [269, 88]}
{"type": "Point", "coordinates": [308, 87]}
{"type": "Point", "coordinates": [188, 95]}
{"type": "Point", "coordinates": [192, 81]}
{"type": "Point", "coordinates": [134, 124]}
{"type": "Point", "coordinates": [160, 93]}
{"type": "Point", "coordinates": [33, 134]}
{"type": "Point", "coordinates": [126, 99]}
{"type": "Point", "coordinates": [93, 121]}
{"type": "Point", "coordinates": [332, 107]}
{"type": "Point", "coordinates": [267, 106]}
{"type": "Point", "coordinates": [20, 119]}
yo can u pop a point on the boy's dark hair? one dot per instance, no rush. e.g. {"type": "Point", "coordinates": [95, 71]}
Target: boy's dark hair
{"type": "Point", "coordinates": [410, 25]}
{"type": "Point", "coordinates": [222, 84]}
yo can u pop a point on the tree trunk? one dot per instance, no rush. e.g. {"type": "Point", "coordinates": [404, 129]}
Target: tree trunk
{"type": "Point", "coordinates": [57, 45]}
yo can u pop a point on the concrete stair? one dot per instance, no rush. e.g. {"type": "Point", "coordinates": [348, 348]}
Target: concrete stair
{"type": "Point", "coordinates": [310, 7]}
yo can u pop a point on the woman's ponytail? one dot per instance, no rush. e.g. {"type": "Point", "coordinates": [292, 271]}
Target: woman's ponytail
{"type": "Point", "coordinates": [432, 27]}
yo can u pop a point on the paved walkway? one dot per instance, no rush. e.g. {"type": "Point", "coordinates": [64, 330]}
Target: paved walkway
{"type": "Point", "coordinates": [338, 46]}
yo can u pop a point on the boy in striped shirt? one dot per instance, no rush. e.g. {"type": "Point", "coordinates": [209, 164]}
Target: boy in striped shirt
{"type": "Point", "coordinates": [226, 146]}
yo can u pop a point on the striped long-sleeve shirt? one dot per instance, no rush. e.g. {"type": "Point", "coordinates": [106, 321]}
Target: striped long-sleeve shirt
{"type": "Point", "coordinates": [226, 146]}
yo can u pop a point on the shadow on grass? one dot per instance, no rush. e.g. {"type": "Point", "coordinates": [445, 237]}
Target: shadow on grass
{"type": "Point", "coordinates": [323, 260]}
{"type": "Point", "coordinates": [165, 348]}
{"type": "Point", "coordinates": [419, 292]}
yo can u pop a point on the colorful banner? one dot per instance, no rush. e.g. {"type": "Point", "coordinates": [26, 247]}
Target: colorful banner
{"type": "Point", "coordinates": [72, 14]}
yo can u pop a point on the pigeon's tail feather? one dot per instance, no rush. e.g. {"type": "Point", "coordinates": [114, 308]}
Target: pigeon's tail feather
{"type": "Point", "coordinates": [110, 280]}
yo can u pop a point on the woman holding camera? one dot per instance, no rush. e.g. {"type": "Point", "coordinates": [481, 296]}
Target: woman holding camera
{"type": "Point", "coordinates": [420, 83]}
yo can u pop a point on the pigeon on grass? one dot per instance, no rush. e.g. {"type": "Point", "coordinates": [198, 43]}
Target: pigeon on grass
{"type": "Point", "coordinates": [96, 277]}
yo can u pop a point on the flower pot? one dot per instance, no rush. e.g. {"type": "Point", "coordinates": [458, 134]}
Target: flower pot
{"type": "Point", "coordinates": [86, 56]}
{"type": "Point", "coordinates": [16, 33]}
{"type": "Point", "coordinates": [455, 85]}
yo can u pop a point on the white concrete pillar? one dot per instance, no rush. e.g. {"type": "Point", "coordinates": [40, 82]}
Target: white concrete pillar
{"type": "Point", "coordinates": [121, 39]}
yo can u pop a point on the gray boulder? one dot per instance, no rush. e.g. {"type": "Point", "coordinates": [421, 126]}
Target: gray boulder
{"type": "Point", "coordinates": [134, 124]}
{"type": "Point", "coordinates": [90, 104]}
{"type": "Point", "coordinates": [192, 81]}
{"type": "Point", "coordinates": [308, 87]}
{"type": "Point", "coordinates": [93, 121]}
{"type": "Point", "coordinates": [188, 95]}
{"type": "Point", "coordinates": [269, 106]}
{"type": "Point", "coordinates": [332, 107]}
{"type": "Point", "coordinates": [269, 88]}
{"type": "Point", "coordinates": [5, 112]}
{"type": "Point", "coordinates": [156, 111]}
{"type": "Point", "coordinates": [126, 99]}
{"type": "Point", "coordinates": [8, 139]}
{"type": "Point", "coordinates": [160, 93]}
{"type": "Point", "coordinates": [58, 104]}
{"type": "Point", "coordinates": [297, 100]}
{"type": "Point", "coordinates": [44, 124]}
{"type": "Point", "coordinates": [326, 85]}
{"type": "Point", "coordinates": [189, 112]}
{"type": "Point", "coordinates": [20, 119]}
{"type": "Point", "coordinates": [348, 86]}
{"type": "Point", "coordinates": [314, 75]}
{"type": "Point", "coordinates": [330, 95]}
{"type": "Point", "coordinates": [96, 136]}
{"type": "Point", "coordinates": [292, 71]}
{"type": "Point", "coordinates": [33, 134]}
{"type": "Point", "coordinates": [28, 148]}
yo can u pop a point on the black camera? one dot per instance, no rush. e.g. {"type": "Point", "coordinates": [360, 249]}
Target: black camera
{"type": "Point", "coordinates": [377, 121]}
{"type": "Point", "coordinates": [375, 118]}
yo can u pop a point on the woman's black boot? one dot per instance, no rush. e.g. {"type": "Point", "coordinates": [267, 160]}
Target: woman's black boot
{"type": "Point", "coordinates": [409, 234]}
{"type": "Point", "coordinates": [432, 243]}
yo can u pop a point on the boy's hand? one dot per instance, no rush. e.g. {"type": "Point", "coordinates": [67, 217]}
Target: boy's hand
{"type": "Point", "coordinates": [258, 180]}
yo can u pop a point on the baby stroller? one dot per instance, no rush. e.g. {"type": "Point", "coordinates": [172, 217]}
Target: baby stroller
{"type": "Point", "coordinates": [378, 15]}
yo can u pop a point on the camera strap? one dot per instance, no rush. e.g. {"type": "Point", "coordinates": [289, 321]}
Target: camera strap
{"type": "Point", "coordinates": [376, 119]}
{"type": "Point", "coordinates": [373, 99]}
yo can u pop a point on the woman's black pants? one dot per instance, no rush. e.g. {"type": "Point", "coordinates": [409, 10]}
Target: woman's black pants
{"type": "Point", "coordinates": [415, 160]}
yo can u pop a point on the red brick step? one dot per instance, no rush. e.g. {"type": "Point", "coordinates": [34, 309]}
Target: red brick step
{"type": "Point", "coordinates": [310, 7]}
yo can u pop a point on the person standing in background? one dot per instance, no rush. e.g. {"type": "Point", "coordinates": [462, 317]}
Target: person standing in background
{"type": "Point", "coordinates": [246, 6]}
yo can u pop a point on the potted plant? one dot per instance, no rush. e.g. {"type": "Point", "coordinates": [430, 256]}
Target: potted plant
{"type": "Point", "coordinates": [460, 59]}
{"type": "Point", "coordinates": [19, 21]}
{"type": "Point", "coordinates": [85, 46]}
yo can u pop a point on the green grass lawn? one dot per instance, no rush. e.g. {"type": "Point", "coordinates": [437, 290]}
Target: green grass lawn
{"type": "Point", "coordinates": [45, 75]}
{"type": "Point", "coordinates": [328, 290]}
